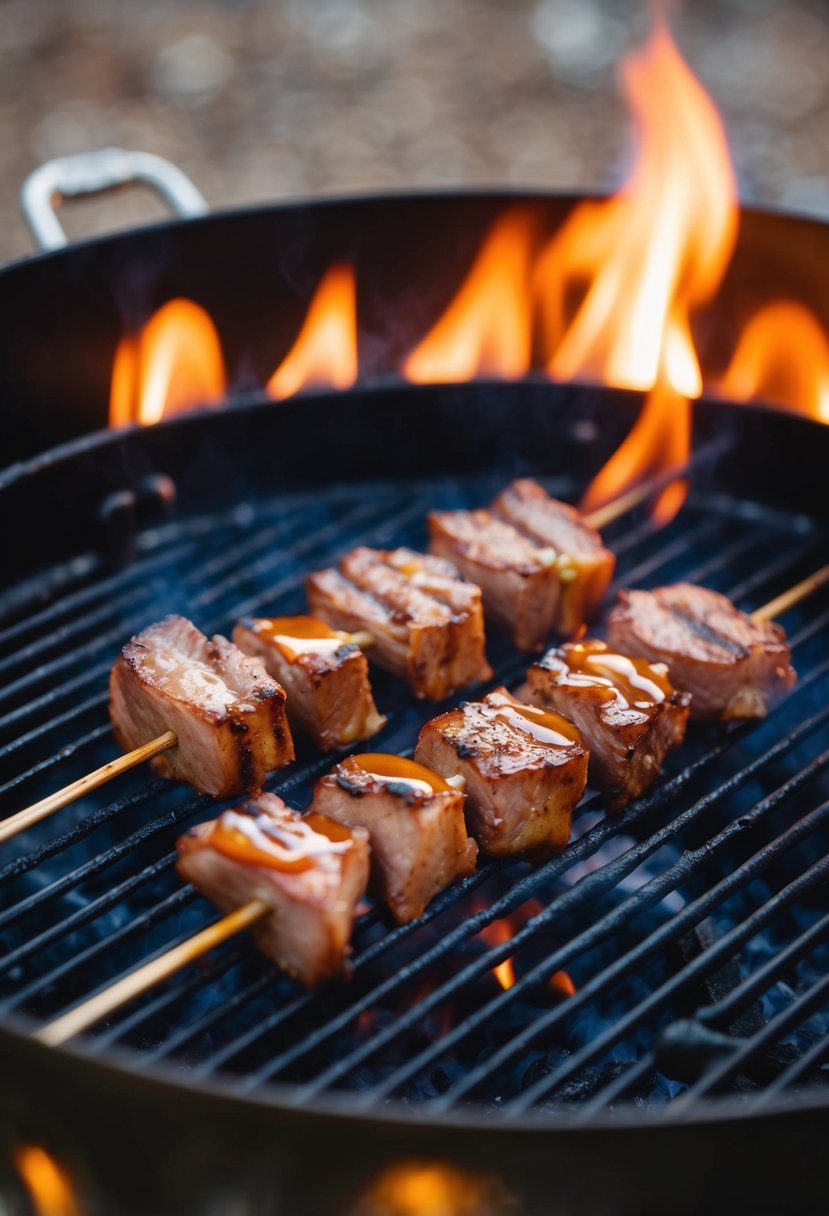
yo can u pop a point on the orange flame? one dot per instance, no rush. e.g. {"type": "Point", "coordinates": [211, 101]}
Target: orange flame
{"type": "Point", "coordinates": [499, 931]}
{"type": "Point", "coordinates": [643, 261]}
{"type": "Point", "coordinates": [427, 1189]}
{"type": "Point", "coordinates": [174, 364]}
{"type": "Point", "coordinates": [782, 357]}
{"type": "Point", "coordinates": [487, 328]}
{"type": "Point", "coordinates": [47, 1182]}
{"type": "Point", "coordinates": [495, 934]}
{"type": "Point", "coordinates": [610, 297]}
{"type": "Point", "coordinates": [325, 353]}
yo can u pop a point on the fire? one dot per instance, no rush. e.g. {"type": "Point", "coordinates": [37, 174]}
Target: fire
{"type": "Point", "coordinates": [782, 357]}
{"type": "Point", "coordinates": [174, 364]}
{"type": "Point", "coordinates": [47, 1182]}
{"type": "Point", "coordinates": [487, 328]}
{"type": "Point", "coordinates": [325, 353]}
{"type": "Point", "coordinates": [643, 261]}
{"type": "Point", "coordinates": [499, 931]}
{"type": "Point", "coordinates": [427, 1189]}
{"type": "Point", "coordinates": [612, 296]}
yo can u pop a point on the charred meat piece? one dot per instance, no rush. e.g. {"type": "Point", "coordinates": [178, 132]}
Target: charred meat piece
{"type": "Point", "coordinates": [426, 621]}
{"type": "Point", "coordinates": [627, 711]}
{"type": "Point", "coordinates": [419, 842]}
{"type": "Point", "coordinates": [324, 674]}
{"type": "Point", "coordinates": [540, 566]}
{"type": "Point", "coordinates": [733, 666]}
{"type": "Point", "coordinates": [227, 712]}
{"type": "Point", "coordinates": [525, 770]}
{"type": "Point", "coordinates": [310, 870]}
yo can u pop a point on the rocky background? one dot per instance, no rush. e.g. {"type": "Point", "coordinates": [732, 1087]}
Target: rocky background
{"type": "Point", "coordinates": [270, 99]}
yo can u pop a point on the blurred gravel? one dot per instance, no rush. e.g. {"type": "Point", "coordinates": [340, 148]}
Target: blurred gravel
{"type": "Point", "coordinates": [267, 99]}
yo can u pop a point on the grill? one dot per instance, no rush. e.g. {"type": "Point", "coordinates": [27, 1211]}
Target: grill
{"type": "Point", "coordinates": [693, 926]}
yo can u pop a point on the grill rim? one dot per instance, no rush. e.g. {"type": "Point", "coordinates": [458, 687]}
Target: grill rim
{"type": "Point", "coordinates": [15, 1033]}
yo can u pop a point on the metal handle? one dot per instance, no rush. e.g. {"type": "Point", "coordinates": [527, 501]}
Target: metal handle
{"type": "Point", "coordinates": [92, 173]}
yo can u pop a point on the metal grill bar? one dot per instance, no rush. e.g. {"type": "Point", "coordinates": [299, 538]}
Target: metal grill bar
{"type": "Point", "coordinates": [705, 964]}
{"type": "Point", "coordinates": [319, 541]}
{"type": "Point", "coordinates": [603, 879]}
{"type": "Point", "coordinates": [772, 1032]}
{"type": "Point", "coordinates": [732, 546]}
{"type": "Point", "coordinates": [581, 893]}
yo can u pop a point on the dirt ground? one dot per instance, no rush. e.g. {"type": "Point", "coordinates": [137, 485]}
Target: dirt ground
{"type": "Point", "coordinates": [268, 99]}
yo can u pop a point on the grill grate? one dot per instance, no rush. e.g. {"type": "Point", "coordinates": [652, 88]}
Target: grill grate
{"type": "Point", "coordinates": [690, 924]}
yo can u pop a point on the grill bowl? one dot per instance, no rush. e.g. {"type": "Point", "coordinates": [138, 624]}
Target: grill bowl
{"type": "Point", "coordinates": [261, 476]}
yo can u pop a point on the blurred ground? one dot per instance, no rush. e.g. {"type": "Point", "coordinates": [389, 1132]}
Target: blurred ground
{"type": "Point", "coordinates": [267, 99]}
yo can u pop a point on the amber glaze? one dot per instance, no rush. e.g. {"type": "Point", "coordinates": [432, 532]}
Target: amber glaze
{"type": "Point", "coordinates": [634, 682]}
{"type": "Point", "coordinates": [298, 635]}
{"type": "Point", "coordinates": [545, 725]}
{"type": "Point", "coordinates": [402, 772]}
{"type": "Point", "coordinates": [291, 845]}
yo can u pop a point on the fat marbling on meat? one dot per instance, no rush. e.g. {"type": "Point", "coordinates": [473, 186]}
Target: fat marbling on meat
{"type": "Point", "coordinates": [426, 621]}
{"type": "Point", "coordinates": [540, 566]}
{"type": "Point", "coordinates": [525, 770]}
{"type": "Point", "coordinates": [228, 714]}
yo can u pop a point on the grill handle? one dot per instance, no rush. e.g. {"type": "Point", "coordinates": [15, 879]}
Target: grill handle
{"type": "Point", "coordinates": [94, 173]}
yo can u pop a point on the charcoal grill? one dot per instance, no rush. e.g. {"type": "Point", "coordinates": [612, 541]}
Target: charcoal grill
{"type": "Point", "coordinates": [693, 926]}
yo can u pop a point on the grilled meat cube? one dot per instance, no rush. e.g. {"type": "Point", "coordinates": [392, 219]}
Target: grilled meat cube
{"type": "Point", "coordinates": [426, 621]}
{"type": "Point", "coordinates": [325, 676]}
{"type": "Point", "coordinates": [419, 843]}
{"type": "Point", "coordinates": [540, 566]}
{"type": "Point", "coordinates": [627, 711]}
{"type": "Point", "coordinates": [227, 712]}
{"type": "Point", "coordinates": [733, 666]}
{"type": "Point", "coordinates": [525, 770]}
{"type": "Point", "coordinates": [310, 870]}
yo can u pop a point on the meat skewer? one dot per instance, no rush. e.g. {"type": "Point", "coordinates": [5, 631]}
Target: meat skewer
{"type": "Point", "coordinates": [540, 565]}
{"type": "Point", "coordinates": [415, 822]}
{"type": "Point", "coordinates": [227, 713]}
{"type": "Point", "coordinates": [427, 622]}
{"type": "Point", "coordinates": [300, 876]}
{"type": "Point", "coordinates": [626, 709]}
{"type": "Point", "coordinates": [733, 664]}
{"type": "Point", "coordinates": [323, 671]}
{"type": "Point", "coordinates": [168, 738]}
{"type": "Point", "coordinates": [46, 806]}
{"type": "Point", "coordinates": [525, 769]}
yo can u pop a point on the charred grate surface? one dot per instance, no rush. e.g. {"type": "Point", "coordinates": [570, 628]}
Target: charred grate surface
{"type": "Point", "coordinates": [677, 952]}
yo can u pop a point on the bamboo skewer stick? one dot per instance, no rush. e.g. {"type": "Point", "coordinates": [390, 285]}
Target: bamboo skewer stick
{"type": "Point", "coordinates": [113, 768]}
{"type": "Point", "coordinates": [97, 1007]}
{"type": "Point", "coordinates": [85, 1015]}
{"type": "Point", "coordinates": [362, 638]}
{"type": "Point", "coordinates": [89, 1012]}
{"type": "Point", "coordinates": [640, 493]}
{"type": "Point", "coordinates": [84, 785]}
{"type": "Point", "coordinates": [787, 599]}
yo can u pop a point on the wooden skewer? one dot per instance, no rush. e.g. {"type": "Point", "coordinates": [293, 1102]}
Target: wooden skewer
{"type": "Point", "coordinates": [787, 599]}
{"type": "Point", "coordinates": [91, 1011]}
{"type": "Point", "coordinates": [87, 1014]}
{"type": "Point", "coordinates": [113, 768]}
{"type": "Point", "coordinates": [33, 814]}
{"type": "Point", "coordinates": [640, 493]}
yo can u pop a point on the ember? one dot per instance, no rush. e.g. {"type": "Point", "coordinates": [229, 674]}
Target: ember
{"type": "Point", "coordinates": [47, 1183]}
